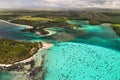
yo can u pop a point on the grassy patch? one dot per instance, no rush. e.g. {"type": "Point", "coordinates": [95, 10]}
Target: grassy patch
{"type": "Point", "coordinates": [42, 18]}
{"type": "Point", "coordinates": [34, 18]}
{"type": "Point", "coordinates": [115, 25]}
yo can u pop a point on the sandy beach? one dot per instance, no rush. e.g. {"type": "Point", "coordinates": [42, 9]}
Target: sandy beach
{"type": "Point", "coordinates": [45, 46]}
{"type": "Point", "coordinates": [27, 26]}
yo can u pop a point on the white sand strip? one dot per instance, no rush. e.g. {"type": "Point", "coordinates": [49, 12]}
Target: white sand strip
{"type": "Point", "coordinates": [27, 26]}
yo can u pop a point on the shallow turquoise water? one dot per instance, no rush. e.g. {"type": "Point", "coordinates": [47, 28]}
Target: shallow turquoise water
{"type": "Point", "coordinates": [95, 57]}
{"type": "Point", "coordinates": [76, 61]}
{"type": "Point", "coordinates": [90, 55]}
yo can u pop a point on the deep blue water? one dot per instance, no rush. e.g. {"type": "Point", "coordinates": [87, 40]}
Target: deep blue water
{"type": "Point", "coordinates": [9, 31]}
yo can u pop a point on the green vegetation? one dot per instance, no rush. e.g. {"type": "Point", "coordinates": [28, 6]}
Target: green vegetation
{"type": "Point", "coordinates": [12, 51]}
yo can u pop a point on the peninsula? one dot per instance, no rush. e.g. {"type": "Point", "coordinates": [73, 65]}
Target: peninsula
{"type": "Point", "coordinates": [12, 51]}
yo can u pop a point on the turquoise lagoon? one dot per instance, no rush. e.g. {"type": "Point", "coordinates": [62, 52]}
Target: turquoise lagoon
{"type": "Point", "coordinates": [95, 57]}
{"type": "Point", "coordinates": [77, 61]}
{"type": "Point", "coordinates": [91, 52]}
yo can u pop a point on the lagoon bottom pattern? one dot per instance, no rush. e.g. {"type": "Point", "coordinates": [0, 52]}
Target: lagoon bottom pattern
{"type": "Point", "coordinates": [77, 61]}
